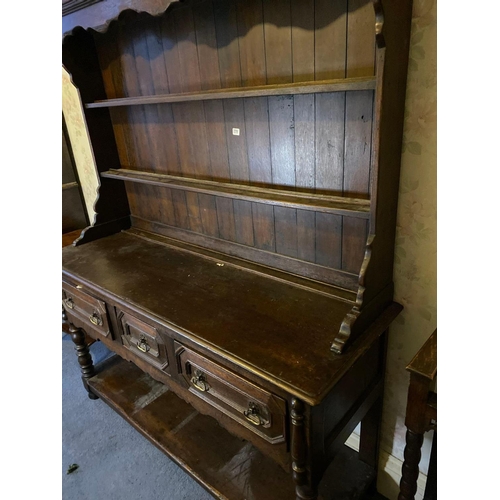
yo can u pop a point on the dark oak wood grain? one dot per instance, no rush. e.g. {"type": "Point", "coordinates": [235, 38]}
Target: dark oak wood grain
{"type": "Point", "coordinates": [248, 152]}
{"type": "Point", "coordinates": [224, 63]}
{"type": "Point", "coordinates": [237, 308]}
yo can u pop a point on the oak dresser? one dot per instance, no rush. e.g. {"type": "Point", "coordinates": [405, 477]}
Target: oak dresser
{"type": "Point", "coordinates": [240, 262]}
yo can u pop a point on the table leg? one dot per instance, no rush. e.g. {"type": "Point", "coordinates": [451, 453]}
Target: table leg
{"type": "Point", "coordinates": [416, 424]}
{"type": "Point", "coordinates": [84, 357]}
{"type": "Point", "coordinates": [303, 489]}
{"type": "Point", "coordinates": [412, 454]}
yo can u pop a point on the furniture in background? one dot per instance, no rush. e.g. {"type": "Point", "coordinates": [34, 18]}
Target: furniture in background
{"type": "Point", "coordinates": [243, 247]}
{"type": "Point", "coordinates": [421, 416]}
{"type": "Point", "coordinates": [74, 215]}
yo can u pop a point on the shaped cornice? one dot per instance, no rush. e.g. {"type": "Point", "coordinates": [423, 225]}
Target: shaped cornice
{"type": "Point", "coordinates": [98, 15]}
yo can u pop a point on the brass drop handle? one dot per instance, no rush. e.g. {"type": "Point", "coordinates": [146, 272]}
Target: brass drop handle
{"type": "Point", "coordinates": [198, 380]}
{"type": "Point", "coordinates": [95, 319]}
{"type": "Point", "coordinates": [253, 414]}
{"type": "Point", "coordinates": [69, 303]}
{"type": "Point", "coordinates": [142, 345]}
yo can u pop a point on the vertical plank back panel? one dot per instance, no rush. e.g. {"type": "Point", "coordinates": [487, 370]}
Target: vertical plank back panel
{"type": "Point", "coordinates": [137, 119]}
{"type": "Point", "coordinates": [358, 128]}
{"type": "Point", "coordinates": [190, 117]}
{"type": "Point", "coordinates": [278, 48]}
{"type": "Point", "coordinates": [254, 72]}
{"type": "Point", "coordinates": [150, 127]}
{"type": "Point", "coordinates": [315, 142]}
{"type": "Point", "coordinates": [208, 60]}
{"type": "Point", "coordinates": [109, 63]}
{"type": "Point", "coordinates": [329, 59]}
{"type": "Point", "coordinates": [165, 134]}
{"type": "Point", "coordinates": [184, 206]}
{"type": "Point", "coordinates": [302, 20]}
{"type": "Point", "coordinates": [230, 69]}
{"type": "Point", "coordinates": [213, 209]}
{"type": "Point", "coordinates": [152, 79]}
{"type": "Point", "coordinates": [140, 55]}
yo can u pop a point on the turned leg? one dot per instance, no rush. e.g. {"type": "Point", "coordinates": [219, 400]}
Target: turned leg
{"type": "Point", "coordinates": [303, 489]}
{"type": "Point", "coordinates": [417, 423]}
{"type": "Point", "coordinates": [84, 357]}
{"type": "Point", "coordinates": [408, 484]}
{"type": "Point", "coordinates": [65, 322]}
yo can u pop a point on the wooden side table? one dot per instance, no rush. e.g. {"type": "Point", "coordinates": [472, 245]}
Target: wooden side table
{"type": "Point", "coordinates": [421, 415]}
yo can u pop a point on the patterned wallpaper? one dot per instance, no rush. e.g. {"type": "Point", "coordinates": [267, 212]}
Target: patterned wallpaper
{"type": "Point", "coordinates": [415, 263]}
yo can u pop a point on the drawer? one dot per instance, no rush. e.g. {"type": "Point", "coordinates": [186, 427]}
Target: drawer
{"type": "Point", "coordinates": [143, 340]}
{"type": "Point", "coordinates": [89, 312]}
{"type": "Point", "coordinates": [255, 408]}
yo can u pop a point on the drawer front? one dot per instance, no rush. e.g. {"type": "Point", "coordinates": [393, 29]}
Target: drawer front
{"type": "Point", "coordinates": [143, 340]}
{"type": "Point", "coordinates": [257, 409]}
{"type": "Point", "coordinates": [87, 309]}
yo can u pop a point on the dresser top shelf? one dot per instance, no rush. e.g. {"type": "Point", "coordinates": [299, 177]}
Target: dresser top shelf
{"type": "Point", "coordinates": [278, 330]}
{"type": "Point", "coordinates": [312, 87]}
{"type": "Point", "coordinates": [278, 196]}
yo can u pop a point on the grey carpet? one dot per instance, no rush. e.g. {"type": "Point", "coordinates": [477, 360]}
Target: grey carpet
{"type": "Point", "coordinates": [115, 461]}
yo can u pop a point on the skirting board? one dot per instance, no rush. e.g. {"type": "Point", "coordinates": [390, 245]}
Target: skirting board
{"type": "Point", "coordinates": [389, 474]}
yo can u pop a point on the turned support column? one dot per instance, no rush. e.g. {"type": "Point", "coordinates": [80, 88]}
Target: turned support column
{"type": "Point", "coordinates": [412, 454]}
{"type": "Point", "coordinates": [84, 357]}
{"type": "Point", "coordinates": [303, 488]}
{"type": "Point", "coordinates": [418, 421]}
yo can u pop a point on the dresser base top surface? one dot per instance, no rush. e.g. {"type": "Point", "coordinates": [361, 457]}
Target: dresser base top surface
{"type": "Point", "coordinates": [271, 326]}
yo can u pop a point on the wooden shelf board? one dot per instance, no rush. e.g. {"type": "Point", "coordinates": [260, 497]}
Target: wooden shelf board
{"type": "Point", "coordinates": [353, 207]}
{"type": "Point", "coordinates": [314, 87]}
{"type": "Point", "coordinates": [208, 452]}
